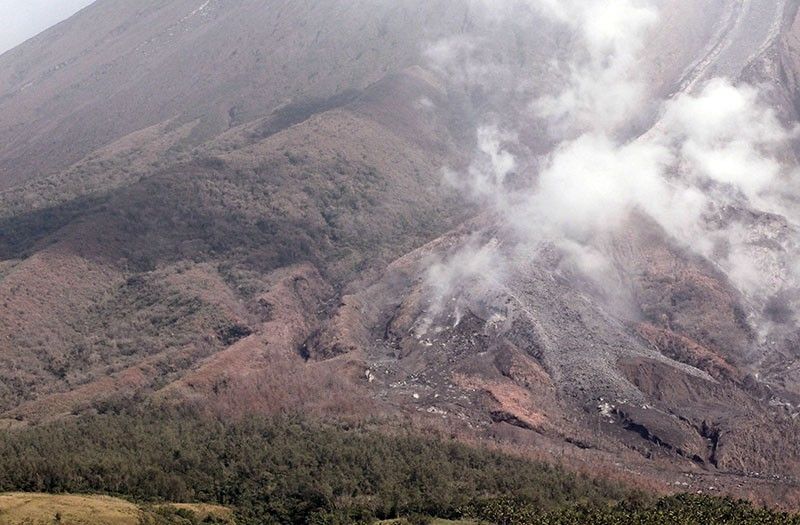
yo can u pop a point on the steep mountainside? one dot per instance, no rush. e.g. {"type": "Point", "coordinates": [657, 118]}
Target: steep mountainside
{"type": "Point", "coordinates": [236, 204]}
{"type": "Point", "coordinates": [212, 64]}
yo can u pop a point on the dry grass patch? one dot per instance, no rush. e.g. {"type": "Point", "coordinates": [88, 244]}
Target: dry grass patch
{"type": "Point", "coordinates": [19, 508]}
{"type": "Point", "coordinates": [40, 509]}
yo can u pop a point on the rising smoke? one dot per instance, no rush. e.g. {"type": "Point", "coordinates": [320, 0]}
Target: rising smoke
{"type": "Point", "coordinates": [707, 152]}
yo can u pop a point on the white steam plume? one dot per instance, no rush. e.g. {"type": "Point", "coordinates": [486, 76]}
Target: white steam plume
{"type": "Point", "coordinates": [603, 92]}
{"type": "Point", "coordinates": [715, 149]}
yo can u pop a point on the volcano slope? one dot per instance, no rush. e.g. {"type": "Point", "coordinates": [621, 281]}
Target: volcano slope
{"type": "Point", "coordinates": [237, 207]}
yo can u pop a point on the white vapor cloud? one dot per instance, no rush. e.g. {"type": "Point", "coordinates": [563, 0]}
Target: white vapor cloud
{"type": "Point", "coordinates": [604, 91]}
{"type": "Point", "coordinates": [475, 270]}
{"type": "Point", "coordinates": [718, 148]}
{"type": "Point", "coordinates": [730, 138]}
{"type": "Point", "coordinates": [23, 19]}
{"type": "Point", "coordinates": [490, 168]}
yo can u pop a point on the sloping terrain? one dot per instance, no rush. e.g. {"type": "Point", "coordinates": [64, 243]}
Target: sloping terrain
{"type": "Point", "coordinates": [237, 205]}
{"type": "Point", "coordinates": [214, 64]}
{"type": "Point", "coordinates": [168, 270]}
{"type": "Point", "coordinates": [44, 509]}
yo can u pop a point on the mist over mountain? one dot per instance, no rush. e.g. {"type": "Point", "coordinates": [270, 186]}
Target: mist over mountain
{"type": "Point", "coordinates": [565, 228]}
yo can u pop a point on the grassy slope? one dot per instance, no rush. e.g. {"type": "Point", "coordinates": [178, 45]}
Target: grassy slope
{"type": "Point", "coordinates": [35, 509]}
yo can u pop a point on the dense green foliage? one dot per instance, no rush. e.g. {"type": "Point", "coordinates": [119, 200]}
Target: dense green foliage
{"type": "Point", "coordinates": [169, 515]}
{"type": "Point", "coordinates": [683, 509]}
{"type": "Point", "coordinates": [289, 470]}
{"type": "Point", "coordinates": [277, 471]}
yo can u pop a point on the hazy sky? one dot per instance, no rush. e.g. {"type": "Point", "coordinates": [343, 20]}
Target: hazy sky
{"type": "Point", "coordinates": [22, 19]}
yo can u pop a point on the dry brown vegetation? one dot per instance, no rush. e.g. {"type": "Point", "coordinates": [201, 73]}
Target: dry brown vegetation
{"type": "Point", "coordinates": [45, 509]}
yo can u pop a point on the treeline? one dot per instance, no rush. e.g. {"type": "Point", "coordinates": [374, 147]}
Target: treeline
{"type": "Point", "coordinates": [291, 471]}
{"type": "Point", "coordinates": [281, 470]}
{"type": "Point", "coordinates": [682, 509]}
